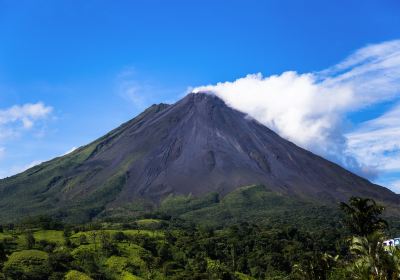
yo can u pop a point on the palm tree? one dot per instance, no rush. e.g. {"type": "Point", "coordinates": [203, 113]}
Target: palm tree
{"type": "Point", "coordinates": [371, 259]}
{"type": "Point", "coordinates": [368, 252]}
{"type": "Point", "coordinates": [362, 216]}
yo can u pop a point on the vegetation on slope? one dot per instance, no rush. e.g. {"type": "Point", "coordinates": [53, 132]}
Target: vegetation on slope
{"type": "Point", "coordinates": [251, 203]}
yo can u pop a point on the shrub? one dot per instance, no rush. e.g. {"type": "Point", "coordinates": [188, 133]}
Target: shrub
{"type": "Point", "coordinates": [61, 260]}
{"type": "Point", "coordinates": [27, 264]}
{"type": "Point", "coordinates": [76, 275]}
{"type": "Point", "coordinates": [120, 236]}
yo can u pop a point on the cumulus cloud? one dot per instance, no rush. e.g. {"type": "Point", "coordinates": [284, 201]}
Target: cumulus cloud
{"type": "Point", "coordinates": [25, 114]}
{"type": "Point", "coordinates": [311, 109]}
{"type": "Point", "coordinates": [19, 118]}
{"type": "Point", "coordinates": [13, 122]}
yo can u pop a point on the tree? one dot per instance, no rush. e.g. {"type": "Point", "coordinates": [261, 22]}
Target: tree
{"type": "Point", "coordinates": [316, 267]}
{"type": "Point", "coordinates": [3, 255]}
{"type": "Point", "coordinates": [362, 216]}
{"type": "Point", "coordinates": [371, 259]}
{"type": "Point", "coordinates": [86, 257]}
{"type": "Point", "coordinates": [60, 260]}
{"type": "Point", "coordinates": [107, 244]}
{"type": "Point", "coordinates": [27, 264]}
{"type": "Point", "coordinates": [119, 236]}
{"type": "Point", "coordinates": [67, 231]}
{"type": "Point", "coordinates": [76, 275]}
{"type": "Point", "coordinates": [30, 240]}
{"type": "Point", "coordinates": [83, 239]}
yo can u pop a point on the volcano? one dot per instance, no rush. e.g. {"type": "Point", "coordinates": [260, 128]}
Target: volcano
{"type": "Point", "coordinates": [196, 146]}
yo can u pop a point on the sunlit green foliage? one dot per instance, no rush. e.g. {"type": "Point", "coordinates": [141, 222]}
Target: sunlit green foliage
{"type": "Point", "coordinates": [27, 264]}
{"type": "Point", "coordinates": [181, 245]}
{"type": "Point", "coordinates": [76, 275]}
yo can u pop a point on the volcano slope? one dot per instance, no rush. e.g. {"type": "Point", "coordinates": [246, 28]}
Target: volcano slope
{"type": "Point", "coordinates": [196, 146]}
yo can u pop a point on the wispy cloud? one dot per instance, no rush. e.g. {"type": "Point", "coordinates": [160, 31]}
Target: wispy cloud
{"type": "Point", "coordinates": [141, 92]}
{"type": "Point", "coordinates": [377, 142]}
{"type": "Point", "coordinates": [311, 109]}
{"type": "Point", "coordinates": [395, 186]}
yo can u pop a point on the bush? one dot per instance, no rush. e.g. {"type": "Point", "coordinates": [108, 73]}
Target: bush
{"type": "Point", "coordinates": [27, 264]}
{"type": "Point", "coordinates": [120, 236]}
{"type": "Point", "coordinates": [61, 260]}
{"type": "Point", "coordinates": [86, 257]}
{"type": "Point", "coordinates": [46, 246]}
{"type": "Point", "coordinates": [56, 276]}
{"type": "Point", "coordinates": [76, 275]}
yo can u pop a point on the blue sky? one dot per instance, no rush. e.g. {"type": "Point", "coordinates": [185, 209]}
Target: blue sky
{"type": "Point", "coordinates": [72, 70]}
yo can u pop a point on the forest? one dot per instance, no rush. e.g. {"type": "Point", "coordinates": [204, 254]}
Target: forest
{"type": "Point", "coordinates": [166, 247]}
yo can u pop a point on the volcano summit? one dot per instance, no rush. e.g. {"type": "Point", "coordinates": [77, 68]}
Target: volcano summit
{"type": "Point", "coordinates": [196, 146]}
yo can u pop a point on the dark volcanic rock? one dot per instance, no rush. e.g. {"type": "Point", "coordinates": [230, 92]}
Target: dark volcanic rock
{"type": "Point", "coordinates": [195, 146]}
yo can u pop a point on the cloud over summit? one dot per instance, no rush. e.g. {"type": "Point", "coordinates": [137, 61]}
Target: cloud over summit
{"type": "Point", "coordinates": [313, 109]}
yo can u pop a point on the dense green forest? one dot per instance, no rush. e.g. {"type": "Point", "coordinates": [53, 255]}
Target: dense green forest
{"type": "Point", "coordinates": [163, 246]}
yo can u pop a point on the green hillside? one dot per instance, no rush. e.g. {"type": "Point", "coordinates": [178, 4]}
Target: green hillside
{"type": "Point", "coordinates": [252, 203]}
{"type": "Point", "coordinates": [255, 204]}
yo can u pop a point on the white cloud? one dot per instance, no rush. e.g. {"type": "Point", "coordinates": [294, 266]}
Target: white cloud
{"type": "Point", "coordinates": [19, 118]}
{"type": "Point", "coordinates": [16, 120]}
{"type": "Point", "coordinates": [311, 109]}
{"type": "Point", "coordinates": [137, 92]}
{"type": "Point", "coordinates": [25, 114]}
{"type": "Point", "coordinates": [142, 92]}
{"type": "Point", "coordinates": [377, 142]}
